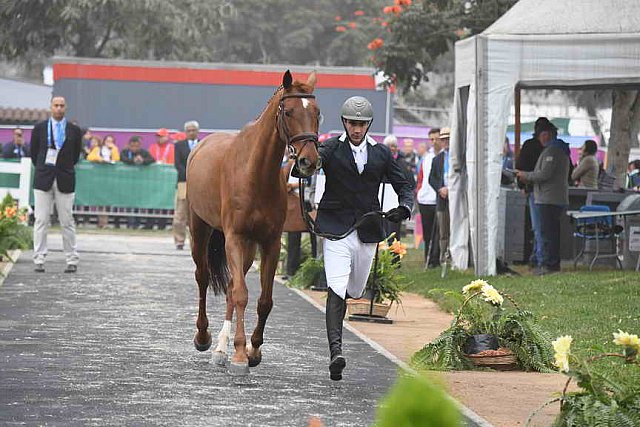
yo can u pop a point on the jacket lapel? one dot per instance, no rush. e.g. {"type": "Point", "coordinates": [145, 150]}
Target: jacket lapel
{"type": "Point", "coordinates": [348, 156]}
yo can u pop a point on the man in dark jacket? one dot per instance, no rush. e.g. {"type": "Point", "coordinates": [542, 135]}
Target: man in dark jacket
{"type": "Point", "coordinates": [55, 149]}
{"type": "Point", "coordinates": [438, 179]}
{"type": "Point", "coordinates": [181, 210]}
{"type": "Point", "coordinates": [16, 148]}
{"type": "Point", "coordinates": [526, 162]}
{"type": "Point", "coordinates": [354, 165]}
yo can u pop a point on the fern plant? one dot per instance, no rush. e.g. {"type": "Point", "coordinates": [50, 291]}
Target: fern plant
{"type": "Point", "coordinates": [483, 311]}
{"type": "Point", "coordinates": [601, 400]}
{"type": "Point", "coordinates": [307, 274]}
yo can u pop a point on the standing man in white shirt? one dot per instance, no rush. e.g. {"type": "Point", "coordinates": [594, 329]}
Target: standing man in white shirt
{"type": "Point", "coordinates": [427, 200]}
{"type": "Point", "coordinates": [56, 145]}
{"type": "Point", "coordinates": [181, 210]}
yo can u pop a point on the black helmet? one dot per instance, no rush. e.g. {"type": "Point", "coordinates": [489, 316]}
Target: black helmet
{"type": "Point", "coordinates": [357, 108]}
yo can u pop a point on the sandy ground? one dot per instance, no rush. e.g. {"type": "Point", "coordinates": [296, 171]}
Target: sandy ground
{"type": "Point", "coordinates": [502, 398]}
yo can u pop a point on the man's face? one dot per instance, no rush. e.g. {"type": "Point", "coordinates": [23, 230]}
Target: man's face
{"type": "Point", "coordinates": [58, 107]}
{"type": "Point", "coordinates": [134, 146]}
{"type": "Point", "coordinates": [162, 139]}
{"type": "Point", "coordinates": [422, 149]}
{"type": "Point", "coordinates": [435, 138]}
{"type": "Point", "coordinates": [18, 139]}
{"type": "Point", "coordinates": [444, 143]}
{"type": "Point", "coordinates": [356, 129]}
{"type": "Point", "coordinates": [407, 147]}
{"type": "Point", "coordinates": [87, 135]}
{"type": "Point", "coordinates": [393, 146]}
{"type": "Point", "coordinates": [544, 137]}
{"type": "Point", "coordinates": [192, 132]}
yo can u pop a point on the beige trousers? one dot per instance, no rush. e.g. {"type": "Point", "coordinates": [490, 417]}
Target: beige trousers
{"type": "Point", "coordinates": [180, 216]}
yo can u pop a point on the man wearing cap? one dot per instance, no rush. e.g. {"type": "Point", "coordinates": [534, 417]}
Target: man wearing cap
{"type": "Point", "coordinates": [163, 152]}
{"type": "Point", "coordinates": [438, 179]}
{"type": "Point", "coordinates": [181, 210]}
{"type": "Point", "coordinates": [354, 165]}
{"type": "Point", "coordinates": [551, 193]}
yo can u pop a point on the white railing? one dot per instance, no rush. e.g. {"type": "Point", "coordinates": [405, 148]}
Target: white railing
{"type": "Point", "coordinates": [23, 168]}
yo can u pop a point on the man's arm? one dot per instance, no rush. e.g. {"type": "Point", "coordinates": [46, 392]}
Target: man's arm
{"type": "Point", "coordinates": [435, 178]}
{"type": "Point", "coordinates": [180, 160]}
{"type": "Point", "coordinates": [147, 158]}
{"type": "Point", "coordinates": [549, 163]}
{"type": "Point", "coordinates": [35, 144]}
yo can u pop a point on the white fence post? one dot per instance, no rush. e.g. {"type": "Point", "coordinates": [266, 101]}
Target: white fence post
{"type": "Point", "coordinates": [24, 170]}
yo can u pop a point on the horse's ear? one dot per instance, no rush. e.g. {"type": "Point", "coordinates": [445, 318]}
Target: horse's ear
{"type": "Point", "coordinates": [287, 79]}
{"type": "Point", "coordinates": [312, 79]}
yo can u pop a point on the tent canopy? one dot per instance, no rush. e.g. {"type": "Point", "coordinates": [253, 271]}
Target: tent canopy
{"type": "Point", "coordinates": [536, 44]}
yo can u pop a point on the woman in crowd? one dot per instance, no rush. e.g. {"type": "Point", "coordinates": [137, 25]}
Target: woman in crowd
{"type": "Point", "coordinates": [585, 174]}
{"type": "Point", "coordinates": [105, 151]}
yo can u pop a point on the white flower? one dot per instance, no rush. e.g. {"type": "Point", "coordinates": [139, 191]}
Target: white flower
{"type": "Point", "coordinates": [474, 286]}
{"type": "Point", "coordinates": [562, 348]}
{"type": "Point", "coordinates": [491, 295]}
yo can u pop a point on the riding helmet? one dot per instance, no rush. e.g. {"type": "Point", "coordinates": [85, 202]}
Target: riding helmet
{"type": "Point", "coordinates": [357, 108]}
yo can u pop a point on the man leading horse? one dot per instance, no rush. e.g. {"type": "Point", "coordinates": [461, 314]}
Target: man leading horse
{"type": "Point", "coordinates": [355, 165]}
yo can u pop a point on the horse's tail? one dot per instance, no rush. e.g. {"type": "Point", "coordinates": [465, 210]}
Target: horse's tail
{"type": "Point", "coordinates": [217, 259]}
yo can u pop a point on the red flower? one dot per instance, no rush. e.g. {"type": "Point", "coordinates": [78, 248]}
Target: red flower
{"type": "Point", "coordinates": [375, 44]}
{"type": "Point", "coordinates": [397, 9]}
{"type": "Point", "coordinates": [352, 25]}
{"type": "Point", "coordinates": [341, 28]}
{"type": "Point", "coordinates": [387, 9]}
{"type": "Point", "coordinates": [358, 12]}
{"type": "Point", "coordinates": [384, 23]}
{"type": "Point", "coordinates": [338, 18]}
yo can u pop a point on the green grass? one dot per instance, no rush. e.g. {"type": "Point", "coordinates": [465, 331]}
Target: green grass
{"type": "Point", "coordinates": [589, 306]}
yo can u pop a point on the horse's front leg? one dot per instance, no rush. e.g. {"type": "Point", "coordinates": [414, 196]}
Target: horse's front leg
{"type": "Point", "coordinates": [270, 254]}
{"type": "Point", "coordinates": [238, 249]}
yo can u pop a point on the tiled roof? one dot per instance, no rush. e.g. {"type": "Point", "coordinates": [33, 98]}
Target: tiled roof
{"type": "Point", "coordinates": [22, 115]}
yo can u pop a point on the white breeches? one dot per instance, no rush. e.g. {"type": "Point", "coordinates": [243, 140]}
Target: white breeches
{"type": "Point", "coordinates": [347, 263]}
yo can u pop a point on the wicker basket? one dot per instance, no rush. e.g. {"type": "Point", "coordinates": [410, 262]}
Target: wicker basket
{"type": "Point", "coordinates": [362, 306]}
{"type": "Point", "coordinates": [505, 362]}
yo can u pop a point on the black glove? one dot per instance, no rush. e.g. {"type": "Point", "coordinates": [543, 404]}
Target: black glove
{"type": "Point", "coordinates": [398, 214]}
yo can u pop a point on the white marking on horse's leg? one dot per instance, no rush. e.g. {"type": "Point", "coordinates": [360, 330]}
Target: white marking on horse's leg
{"type": "Point", "coordinates": [249, 347]}
{"type": "Point", "coordinates": [305, 103]}
{"type": "Point", "coordinates": [223, 337]}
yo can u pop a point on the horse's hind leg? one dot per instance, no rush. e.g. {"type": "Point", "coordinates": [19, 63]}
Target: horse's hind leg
{"type": "Point", "coordinates": [200, 232]}
{"type": "Point", "coordinates": [270, 253]}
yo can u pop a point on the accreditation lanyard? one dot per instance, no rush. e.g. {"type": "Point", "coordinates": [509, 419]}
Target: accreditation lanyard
{"type": "Point", "coordinates": [54, 144]}
{"type": "Point", "coordinates": [166, 151]}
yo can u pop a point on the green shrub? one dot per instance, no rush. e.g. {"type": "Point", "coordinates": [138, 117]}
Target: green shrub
{"type": "Point", "coordinates": [14, 234]}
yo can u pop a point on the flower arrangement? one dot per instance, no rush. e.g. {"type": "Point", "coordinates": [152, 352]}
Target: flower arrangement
{"type": "Point", "coordinates": [484, 311]}
{"type": "Point", "coordinates": [389, 281]}
{"type": "Point", "coordinates": [601, 400]}
{"type": "Point", "coordinates": [14, 233]}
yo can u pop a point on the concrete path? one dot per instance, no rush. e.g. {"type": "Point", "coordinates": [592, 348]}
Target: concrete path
{"type": "Point", "coordinates": [112, 345]}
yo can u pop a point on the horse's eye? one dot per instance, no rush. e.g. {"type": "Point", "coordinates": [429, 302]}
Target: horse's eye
{"type": "Point", "coordinates": [320, 118]}
{"type": "Point", "coordinates": [287, 113]}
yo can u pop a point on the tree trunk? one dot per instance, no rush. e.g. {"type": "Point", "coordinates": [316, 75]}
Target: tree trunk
{"type": "Point", "coordinates": [620, 139]}
{"type": "Point", "coordinates": [635, 123]}
{"type": "Point", "coordinates": [592, 112]}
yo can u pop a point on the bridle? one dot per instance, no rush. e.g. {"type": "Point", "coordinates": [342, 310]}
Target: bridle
{"type": "Point", "coordinates": [283, 129]}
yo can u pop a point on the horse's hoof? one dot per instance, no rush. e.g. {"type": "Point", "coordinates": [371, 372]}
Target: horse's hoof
{"type": "Point", "coordinates": [219, 358]}
{"type": "Point", "coordinates": [203, 347]}
{"type": "Point", "coordinates": [238, 369]}
{"type": "Point", "coordinates": [255, 360]}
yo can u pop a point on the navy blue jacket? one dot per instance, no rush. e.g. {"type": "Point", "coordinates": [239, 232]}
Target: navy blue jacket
{"type": "Point", "coordinates": [64, 171]}
{"type": "Point", "coordinates": [436, 180]}
{"type": "Point", "coordinates": [348, 195]}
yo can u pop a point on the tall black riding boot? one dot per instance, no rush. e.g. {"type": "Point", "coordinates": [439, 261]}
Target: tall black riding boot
{"type": "Point", "coordinates": [336, 309]}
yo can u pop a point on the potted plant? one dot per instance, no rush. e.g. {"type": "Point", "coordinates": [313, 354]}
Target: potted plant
{"type": "Point", "coordinates": [601, 399]}
{"type": "Point", "coordinates": [14, 233]}
{"type": "Point", "coordinates": [310, 273]}
{"type": "Point", "coordinates": [385, 282]}
{"type": "Point", "coordinates": [488, 332]}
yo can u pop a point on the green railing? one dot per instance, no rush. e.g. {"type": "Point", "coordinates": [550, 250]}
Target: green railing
{"type": "Point", "coordinates": [119, 185]}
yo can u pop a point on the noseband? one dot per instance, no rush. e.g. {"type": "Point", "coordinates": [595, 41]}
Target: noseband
{"type": "Point", "coordinates": [283, 129]}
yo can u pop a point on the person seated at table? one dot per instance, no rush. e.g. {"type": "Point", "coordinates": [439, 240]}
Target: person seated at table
{"type": "Point", "coordinates": [17, 148]}
{"type": "Point", "coordinates": [134, 154]}
{"type": "Point", "coordinates": [106, 150]}
{"type": "Point", "coordinates": [586, 173]}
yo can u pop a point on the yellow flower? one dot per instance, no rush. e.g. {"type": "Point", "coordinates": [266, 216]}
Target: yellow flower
{"type": "Point", "coordinates": [562, 347]}
{"type": "Point", "coordinates": [626, 339]}
{"type": "Point", "coordinates": [491, 295]}
{"type": "Point", "coordinates": [398, 248]}
{"type": "Point", "coordinates": [474, 286]}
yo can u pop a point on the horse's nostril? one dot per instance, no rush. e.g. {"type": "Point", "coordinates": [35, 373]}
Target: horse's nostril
{"type": "Point", "coordinates": [304, 162]}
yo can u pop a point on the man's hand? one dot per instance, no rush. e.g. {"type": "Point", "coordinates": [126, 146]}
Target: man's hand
{"type": "Point", "coordinates": [521, 175]}
{"type": "Point", "coordinates": [398, 214]}
{"type": "Point", "coordinates": [444, 192]}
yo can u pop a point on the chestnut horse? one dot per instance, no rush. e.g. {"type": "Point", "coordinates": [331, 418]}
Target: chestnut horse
{"type": "Point", "coordinates": [238, 203]}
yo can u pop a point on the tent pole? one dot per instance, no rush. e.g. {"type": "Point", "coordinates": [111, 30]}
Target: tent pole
{"type": "Point", "coordinates": [518, 127]}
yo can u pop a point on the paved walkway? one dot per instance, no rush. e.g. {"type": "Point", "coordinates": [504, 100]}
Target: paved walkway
{"type": "Point", "coordinates": [112, 345]}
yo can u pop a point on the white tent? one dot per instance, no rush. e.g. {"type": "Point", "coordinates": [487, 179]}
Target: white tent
{"type": "Point", "coordinates": [536, 44]}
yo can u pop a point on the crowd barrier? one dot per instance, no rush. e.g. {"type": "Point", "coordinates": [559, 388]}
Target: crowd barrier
{"type": "Point", "coordinates": [114, 189]}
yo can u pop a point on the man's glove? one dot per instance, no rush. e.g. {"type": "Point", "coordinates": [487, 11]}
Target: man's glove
{"type": "Point", "coordinates": [398, 214]}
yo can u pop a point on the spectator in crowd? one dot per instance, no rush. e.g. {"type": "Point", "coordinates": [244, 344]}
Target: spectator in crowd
{"type": "Point", "coordinates": [104, 151]}
{"type": "Point", "coordinates": [162, 150]}
{"type": "Point", "coordinates": [507, 177]}
{"type": "Point", "coordinates": [551, 193]}
{"type": "Point", "coordinates": [421, 151]}
{"type": "Point", "coordinates": [409, 157]}
{"type": "Point", "coordinates": [633, 175]}
{"type": "Point", "coordinates": [181, 209]}
{"type": "Point", "coordinates": [87, 137]}
{"type": "Point", "coordinates": [438, 179]}
{"type": "Point", "coordinates": [55, 149]}
{"type": "Point", "coordinates": [134, 154]}
{"type": "Point", "coordinates": [434, 139]}
{"type": "Point", "coordinates": [526, 162]}
{"type": "Point", "coordinates": [427, 198]}
{"type": "Point", "coordinates": [586, 174]}
{"type": "Point", "coordinates": [391, 141]}
{"type": "Point", "coordinates": [17, 148]}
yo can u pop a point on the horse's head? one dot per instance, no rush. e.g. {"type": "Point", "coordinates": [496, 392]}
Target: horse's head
{"type": "Point", "coordinates": [298, 121]}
